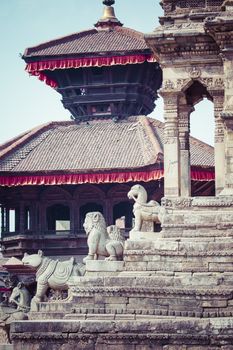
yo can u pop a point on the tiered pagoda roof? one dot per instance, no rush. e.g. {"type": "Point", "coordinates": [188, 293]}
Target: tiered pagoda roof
{"type": "Point", "coordinates": [95, 152]}
{"type": "Point", "coordinates": [105, 72]}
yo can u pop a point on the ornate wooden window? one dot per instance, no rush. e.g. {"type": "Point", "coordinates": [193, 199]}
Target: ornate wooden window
{"type": "Point", "coordinates": [58, 218]}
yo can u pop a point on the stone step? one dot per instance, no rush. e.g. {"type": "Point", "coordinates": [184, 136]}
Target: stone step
{"type": "Point", "coordinates": [160, 333]}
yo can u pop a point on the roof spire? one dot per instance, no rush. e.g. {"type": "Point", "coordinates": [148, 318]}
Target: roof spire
{"type": "Point", "coordinates": [109, 2]}
{"type": "Point", "coordinates": [108, 20]}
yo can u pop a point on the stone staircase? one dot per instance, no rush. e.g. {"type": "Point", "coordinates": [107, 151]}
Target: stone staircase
{"type": "Point", "coordinates": [173, 291]}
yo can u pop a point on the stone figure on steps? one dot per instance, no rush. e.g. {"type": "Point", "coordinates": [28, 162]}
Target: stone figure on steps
{"type": "Point", "coordinates": [50, 273]}
{"type": "Point", "coordinates": [102, 241]}
{"type": "Point", "coordinates": [22, 298]}
{"type": "Point", "coordinates": [143, 210]}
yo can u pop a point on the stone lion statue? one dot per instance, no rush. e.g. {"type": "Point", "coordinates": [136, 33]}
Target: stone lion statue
{"type": "Point", "coordinates": [102, 241]}
{"type": "Point", "coordinates": [143, 210]}
{"type": "Point", "coordinates": [50, 273]}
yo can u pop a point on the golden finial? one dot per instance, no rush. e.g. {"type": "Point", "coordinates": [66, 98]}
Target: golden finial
{"type": "Point", "coordinates": [108, 20]}
{"type": "Point", "coordinates": [109, 2]}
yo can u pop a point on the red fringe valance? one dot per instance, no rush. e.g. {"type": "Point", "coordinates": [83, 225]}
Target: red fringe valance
{"type": "Point", "coordinates": [202, 175]}
{"type": "Point", "coordinates": [37, 68]}
{"type": "Point", "coordinates": [73, 179]}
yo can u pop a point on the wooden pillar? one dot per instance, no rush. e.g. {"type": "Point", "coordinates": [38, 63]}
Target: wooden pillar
{"type": "Point", "coordinates": [21, 217]}
{"type": "Point", "coordinates": [171, 145]}
{"type": "Point", "coordinates": [109, 211]}
{"type": "Point", "coordinates": [42, 218]}
{"type": "Point", "coordinates": [35, 218]}
{"type": "Point", "coordinates": [7, 219]}
{"type": "Point", "coordinates": [72, 216]}
{"type": "Point", "coordinates": [3, 219]}
{"type": "Point", "coordinates": [185, 167]}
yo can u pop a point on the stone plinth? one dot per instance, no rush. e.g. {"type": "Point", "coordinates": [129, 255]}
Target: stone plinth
{"type": "Point", "coordinates": [136, 235]}
{"type": "Point", "coordinates": [198, 217]}
{"type": "Point", "coordinates": [134, 334]}
{"type": "Point", "coordinates": [104, 266]}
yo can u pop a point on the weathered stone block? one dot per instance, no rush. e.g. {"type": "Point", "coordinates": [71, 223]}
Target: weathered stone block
{"type": "Point", "coordinates": [182, 278]}
{"type": "Point", "coordinates": [119, 307]}
{"type": "Point", "coordinates": [223, 325]}
{"type": "Point", "coordinates": [96, 327]}
{"type": "Point", "coordinates": [87, 281]}
{"type": "Point", "coordinates": [205, 279]}
{"type": "Point", "coordinates": [194, 266]}
{"type": "Point", "coordinates": [165, 245]}
{"type": "Point", "coordinates": [175, 347]}
{"type": "Point", "coordinates": [193, 246]}
{"type": "Point", "coordinates": [136, 266]}
{"type": "Point", "coordinates": [148, 347]}
{"type": "Point", "coordinates": [220, 267]}
{"type": "Point", "coordinates": [148, 236]}
{"type": "Point", "coordinates": [214, 303]}
{"type": "Point", "coordinates": [167, 266]}
{"type": "Point", "coordinates": [102, 265]}
{"type": "Point", "coordinates": [151, 257]}
{"type": "Point", "coordinates": [116, 300]}
{"type": "Point", "coordinates": [154, 281]}
{"type": "Point", "coordinates": [115, 347]}
{"type": "Point", "coordinates": [120, 280]}
{"type": "Point", "coordinates": [137, 245]}
{"type": "Point", "coordinates": [142, 303]}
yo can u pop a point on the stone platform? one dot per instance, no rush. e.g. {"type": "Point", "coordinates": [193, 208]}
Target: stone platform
{"type": "Point", "coordinates": [173, 291]}
{"type": "Point", "coordinates": [125, 334]}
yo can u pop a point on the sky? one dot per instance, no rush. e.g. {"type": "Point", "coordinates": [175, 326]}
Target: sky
{"type": "Point", "coordinates": [25, 101]}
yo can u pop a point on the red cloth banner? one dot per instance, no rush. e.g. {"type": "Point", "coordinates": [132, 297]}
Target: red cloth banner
{"type": "Point", "coordinates": [38, 68]}
{"type": "Point", "coordinates": [73, 179]}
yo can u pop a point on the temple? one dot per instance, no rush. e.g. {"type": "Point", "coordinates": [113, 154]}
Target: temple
{"type": "Point", "coordinates": [51, 176]}
{"type": "Point", "coordinates": [168, 284]}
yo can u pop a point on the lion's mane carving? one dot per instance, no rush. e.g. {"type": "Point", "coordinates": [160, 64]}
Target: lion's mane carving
{"type": "Point", "coordinates": [143, 210]}
{"type": "Point", "coordinates": [102, 241]}
{"type": "Point", "coordinates": [51, 273]}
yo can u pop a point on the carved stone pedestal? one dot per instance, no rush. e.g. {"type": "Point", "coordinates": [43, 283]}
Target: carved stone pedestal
{"type": "Point", "coordinates": [125, 334]}
{"type": "Point", "coordinates": [97, 266]}
{"type": "Point", "coordinates": [173, 291]}
{"type": "Point", "coordinates": [136, 235]}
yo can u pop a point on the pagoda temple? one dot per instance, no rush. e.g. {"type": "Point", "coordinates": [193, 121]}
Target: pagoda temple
{"type": "Point", "coordinates": [51, 176]}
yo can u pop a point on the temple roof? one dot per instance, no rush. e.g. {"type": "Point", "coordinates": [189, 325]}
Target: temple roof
{"type": "Point", "coordinates": [69, 147]}
{"type": "Point", "coordinates": [89, 42]}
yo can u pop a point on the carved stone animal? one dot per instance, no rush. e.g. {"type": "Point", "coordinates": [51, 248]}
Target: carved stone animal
{"type": "Point", "coordinates": [51, 273]}
{"type": "Point", "coordinates": [21, 297]}
{"type": "Point", "coordinates": [100, 241]}
{"type": "Point", "coordinates": [143, 210]}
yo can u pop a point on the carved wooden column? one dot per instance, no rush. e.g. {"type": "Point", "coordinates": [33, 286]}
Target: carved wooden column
{"type": "Point", "coordinates": [72, 216]}
{"type": "Point", "coordinates": [171, 145]}
{"type": "Point", "coordinates": [7, 219]}
{"type": "Point", "coordinates": [21, 217]}
{"type": "Point", "coordinates": [3, 219]}
{"type": "Point", "coordinates": [109, 211]}
{"type": "Point", "coordinates": [42, 218]}
{"type": "Point", "coordinates": [184, 131]}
